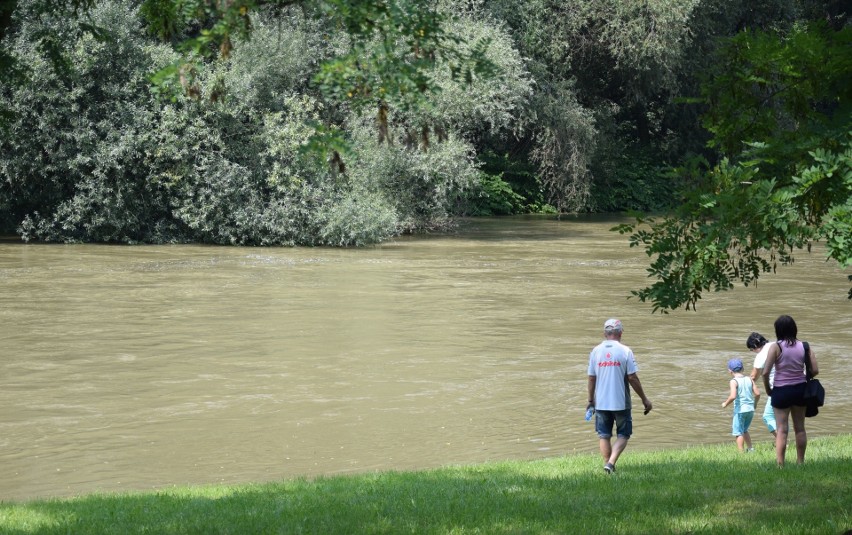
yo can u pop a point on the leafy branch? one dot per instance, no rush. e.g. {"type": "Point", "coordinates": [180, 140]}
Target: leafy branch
{"type": "Point", "coordinates": [787, 184]}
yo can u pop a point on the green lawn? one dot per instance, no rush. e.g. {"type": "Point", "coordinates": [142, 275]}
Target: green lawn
{"type": "Point", "coordinates": [707, 489]}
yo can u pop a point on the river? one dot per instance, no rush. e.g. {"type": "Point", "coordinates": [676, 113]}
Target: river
{"type": "Point", "coordinates": [142, 367]}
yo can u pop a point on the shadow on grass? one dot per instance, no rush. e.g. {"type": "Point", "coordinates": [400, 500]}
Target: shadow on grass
{"type": "Point", "coordinates": [662, 492]}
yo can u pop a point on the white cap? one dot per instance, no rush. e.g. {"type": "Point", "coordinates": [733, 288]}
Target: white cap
{"type": "Point", "coordinates": [612, 326]}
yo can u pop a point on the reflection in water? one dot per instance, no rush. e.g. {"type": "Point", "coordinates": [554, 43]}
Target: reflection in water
{"type": "Point", "coordinates": [143, 367]}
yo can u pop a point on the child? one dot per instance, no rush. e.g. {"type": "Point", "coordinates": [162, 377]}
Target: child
{"type": "Point", "coordinates": [757, 343]}
{"type": "Point", "coordinates": [744, 394]}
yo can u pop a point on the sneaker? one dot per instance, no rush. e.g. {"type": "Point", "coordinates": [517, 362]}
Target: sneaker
{"type": "Point", "coordinates": [609, 468]}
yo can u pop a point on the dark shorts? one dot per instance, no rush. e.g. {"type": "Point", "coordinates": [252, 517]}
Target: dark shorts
{"type": "Point", "coordinates": [784, 397]}
{"type": "Point", "coordinates": [623, 421]}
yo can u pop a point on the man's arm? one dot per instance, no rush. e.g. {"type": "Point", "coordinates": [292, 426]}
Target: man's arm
{"type": "Point", "coordinates": [593, 381]}
{"type": "Point", "coordinates": [637, 387]}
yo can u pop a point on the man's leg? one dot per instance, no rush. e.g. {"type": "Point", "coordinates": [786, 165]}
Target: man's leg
{"type": "Point", "coordinates": [604, 421]}
{"type": "Point", "coordinates": [624, 428]}
{"type": "Point", "coordinates": [606, 449]}
{"type": "Point", "coordinates": [617, 448]}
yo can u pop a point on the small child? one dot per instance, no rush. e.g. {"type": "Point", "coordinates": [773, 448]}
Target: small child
{"type": "Point", "coordinates": [744, 394]}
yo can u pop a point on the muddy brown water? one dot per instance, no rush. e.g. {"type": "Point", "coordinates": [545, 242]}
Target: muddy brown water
{"type": "Point", "coordinates": [143, 367]}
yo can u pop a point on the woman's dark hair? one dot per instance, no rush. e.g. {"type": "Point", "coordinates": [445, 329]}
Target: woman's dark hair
{"type": "Point", "coordinates": [785, 329]}
{"type": "Point", "coordinates": [756, 340]}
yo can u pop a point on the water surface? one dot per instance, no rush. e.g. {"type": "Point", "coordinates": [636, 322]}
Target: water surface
{"type": "Point", "coordinates": [126, 368]}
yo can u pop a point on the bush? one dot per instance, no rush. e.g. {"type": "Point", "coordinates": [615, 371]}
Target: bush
{"type": "Point", "coordinates": [493, 196]}
{"type": "Point", "coordinates": [422, 186]}
{"type": "Point", "coordinates": [632, 179]}
{"type": "Point", "coordinates": [74, 164]}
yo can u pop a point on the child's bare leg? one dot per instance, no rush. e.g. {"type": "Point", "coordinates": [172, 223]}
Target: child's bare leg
{"type": "Point", "coordinates": [747, 437]}
{"type": "Point", "coordinates": [740, 441]}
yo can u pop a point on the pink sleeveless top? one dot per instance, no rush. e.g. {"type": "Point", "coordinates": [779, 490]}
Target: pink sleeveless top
{"type": "Point", "coordinates": [790, 365]}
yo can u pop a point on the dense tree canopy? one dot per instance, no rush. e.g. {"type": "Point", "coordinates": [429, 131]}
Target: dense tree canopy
{"type": "Point", "coordinates": [92, 154]}
{"type": "Point", "coordinates": [348, 121]}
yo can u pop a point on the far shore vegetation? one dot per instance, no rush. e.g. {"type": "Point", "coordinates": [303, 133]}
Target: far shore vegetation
{"type": "Point", "coordinates": [702, 489]}
{"type": "Point", "coordinates": [349, 122]}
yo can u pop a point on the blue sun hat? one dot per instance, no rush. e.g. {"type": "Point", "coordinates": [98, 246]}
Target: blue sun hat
{"type": "Point", "coordinates": [735, 365]}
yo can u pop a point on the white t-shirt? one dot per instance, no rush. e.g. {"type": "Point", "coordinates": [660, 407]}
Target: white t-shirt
{"type": "Point", "coordinates": [611, 362]}
{"type": "Point", "coordinates": [760, 361]}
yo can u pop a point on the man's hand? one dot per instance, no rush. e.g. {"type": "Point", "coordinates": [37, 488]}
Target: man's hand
{"type": "Point", "coordinates": [648, 405]}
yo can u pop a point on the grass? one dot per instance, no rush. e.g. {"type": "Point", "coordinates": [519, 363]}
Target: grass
{"type": "Point", "coordinates": [707, 489]}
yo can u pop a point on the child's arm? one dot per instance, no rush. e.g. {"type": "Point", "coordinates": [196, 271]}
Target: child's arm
{"type": "Point", "coordinates": [733, 395]}
{"type": "Point", "coordinates": [756, 391]}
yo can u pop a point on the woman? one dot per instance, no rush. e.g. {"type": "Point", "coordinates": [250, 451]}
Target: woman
{"type": "Point", "coordinates": [787, 358]}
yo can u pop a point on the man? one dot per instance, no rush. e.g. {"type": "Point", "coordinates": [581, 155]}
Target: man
{"type": "Point", "coordinates": [612, 368]}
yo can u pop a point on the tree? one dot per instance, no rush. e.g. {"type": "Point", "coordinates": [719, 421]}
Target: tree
{"type": "Point", "coordinates": [394, 44]}
{"type": "Point", "coordinates": [605, 72]}
{"type": "Point", "coordinates": [91, 155]}
{"type": "Point", "coordinates": [394, 47]}
{"type": "Point", "coordinates": [780, 113]}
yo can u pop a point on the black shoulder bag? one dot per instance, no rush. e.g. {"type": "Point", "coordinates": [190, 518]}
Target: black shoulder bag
{"type": "Point", "coordinates": [814, 392]}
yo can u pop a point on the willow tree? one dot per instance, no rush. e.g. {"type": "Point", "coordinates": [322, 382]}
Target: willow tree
{"type": "Point", "coordinates": [605, 72]}
{"type": "Point", "coordinates": [394, 45]}
{"type": "Point", "coordinates": [90, 155]}
{"type": "Point", "coordinates": [780, 115]}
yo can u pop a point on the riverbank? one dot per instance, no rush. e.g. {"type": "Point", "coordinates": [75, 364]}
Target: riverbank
{"type": "Point", "coordinates": [707, 489]}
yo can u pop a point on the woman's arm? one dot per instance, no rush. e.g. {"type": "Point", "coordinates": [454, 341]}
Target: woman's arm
{"type": "Point", "coordinates": [767, 368]}
{"type": "Point", "coordinates": [814, 367]}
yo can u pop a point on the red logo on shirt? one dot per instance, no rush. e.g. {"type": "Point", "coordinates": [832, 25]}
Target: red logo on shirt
{"type": "Point", "coordinates": [607, 364]}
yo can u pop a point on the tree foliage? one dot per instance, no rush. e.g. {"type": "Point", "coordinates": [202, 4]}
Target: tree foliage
{"type": "Point", "coordinates": [92, 155]}
{"type": "Point", "coordinates": [394, 46]}
{"type": "Point", "coordinates": [780, 110]}
{"type": "Point", "coordinates": [425, 110]}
